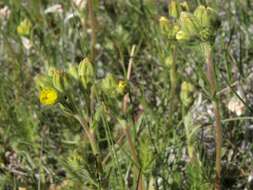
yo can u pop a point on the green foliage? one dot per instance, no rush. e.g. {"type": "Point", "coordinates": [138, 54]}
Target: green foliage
{"type": "Point", "coordinates": [114, 126]}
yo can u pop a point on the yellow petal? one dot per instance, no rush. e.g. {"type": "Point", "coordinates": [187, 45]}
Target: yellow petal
{"type": "Point", "coordinates": [48, 96]}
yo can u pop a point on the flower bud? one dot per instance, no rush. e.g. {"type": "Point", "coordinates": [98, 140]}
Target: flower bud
{"type": "Point", "coordinates": [24, 28]}
{"type": "Point", "coordinates": [86, 72]}
{"type": "Point", "coordinates": [206, 34]}
{"type": "Point", "coordinates": [201, 16]}
{"type": "Point", "coordinates": [164, 24]}
{"type": "Point", "coordinates": [109, 85]}
{"type": "Point", "coordinates": [188, 23]}
{"type": "Point", "coordinates": [185, 93]}
{"type": "Point", "coordinates": [73, 71]}
{"type": "Point", "coordinates": [175, 30]}
{"type": "Point", "coordinates": [58, 80]}
{"type": "Point", "coordinates": [174, 9]}
{"type": "Point", "coordinates": [184, 6]}
{"type": "Point", "coordinates": [50, 71]}
{"type": "Point", "coordinates": [169, 60]}
{"type": "Point", "coordinates": [67, 81]}
{"type": "Point", "coordinates": [121, 87]}
{"type": "Point", "coordinates": [206, 17]}
{"type": "Point", "coordinates": [182, 36]}
{"type": "Point", "coordinates": [43, 81]}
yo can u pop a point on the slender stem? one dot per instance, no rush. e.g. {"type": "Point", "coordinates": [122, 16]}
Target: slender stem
{"type": "Point", "coordinates": [190, 146]}
{"type": "Point", "coordinates": [216, 104]}
{"type": "Point", "coordinates": [173, 84]}
{"type": "Point", "coordinates": [93, 142]}
{"type": "Point", "coordinates": [173, 72]}
{"type": "Point", "coordinates": [93, 23]}
{"type": "Point", "coordinates": [140, 183]}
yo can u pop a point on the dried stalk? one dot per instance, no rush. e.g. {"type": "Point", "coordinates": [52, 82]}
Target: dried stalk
{"type": "Point", "coordinates": [93, 25]}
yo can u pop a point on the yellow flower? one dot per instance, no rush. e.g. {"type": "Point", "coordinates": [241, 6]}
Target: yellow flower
{"type": "Point", "coordinates": [121, 86]}
{"type": "Point", "coordinates": [163, 21]}
{"type": "Point", "coordinates": [24, 28]}
{"type": "Point", "coordinates": [48, 96]}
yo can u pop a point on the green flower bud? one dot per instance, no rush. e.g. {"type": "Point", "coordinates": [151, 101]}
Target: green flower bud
{"type": "Point", "coordinates": [62, 81]}
{"type": "Point", "coordinates": [185, 93]}
{"type": "Point", "coordinates": [168, 27]}
{"type": "Point", "coordinates": [206, 34]}
{"type": "Point", "coordinates": [182, 36]}
{"type": "Point", "coordinates": [175, 30]}
{"type": "Point", "coordinates": [187, 87]}
{"type": "Point", "coordinates": [201, 16]}
{"type": "Point", "coordinates": [169, 60]}
{"type": "Point", "coordinates": [43, 81]}
{"type": "Point", "coordinates": [188, 24]}
{"type": "Point", "coordinates": [174, 9]}
{"type": "Point", "coordinates": [86, 72]}
{"type": "Point", "coordinates": [109, 85]}
{"type": "Point", "coordinates": [67, 81]}
{"type": "Point", "coordinates": [73, 71]}
{"type": "Point", "coordinates": [24, 28]}
{"type": "Point", "coordinates": [206, 17]}
{"type": "Point", "coordinates": [164, 24]}
{"type": "Point", "coordinates": [50, 71]}
{"type": "Point", "coordinates": [58, 80]}
{"type": "Point", "coordinates": [184, 6]}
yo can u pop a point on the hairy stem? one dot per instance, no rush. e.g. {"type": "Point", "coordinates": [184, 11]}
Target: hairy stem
{"type": "Point", "coordinates": [90, 133]}
{"type": "Point", "coordinates": [173, 85]}
{"type": "Point", "coordinates": [216, 104]}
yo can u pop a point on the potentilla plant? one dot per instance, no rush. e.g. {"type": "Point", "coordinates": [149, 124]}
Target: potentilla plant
{"type": "Point", "coordinates": [81, 96]}
{"type": "Point", "coordinates": [199, 28]}
{"type": "Point", "coordinates": [169, 28]}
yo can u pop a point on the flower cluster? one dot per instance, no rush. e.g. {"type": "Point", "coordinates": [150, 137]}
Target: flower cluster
{"type": "Point", "coordinates": [201, 25]}
{"type": "Point", "coordinates": [59, 85]}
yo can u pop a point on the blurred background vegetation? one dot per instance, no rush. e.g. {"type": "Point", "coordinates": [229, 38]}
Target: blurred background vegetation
{"type": "Point", "coordinates": [43, 148]}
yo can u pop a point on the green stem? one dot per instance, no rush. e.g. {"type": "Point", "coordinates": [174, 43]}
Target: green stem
{"type": "Point", "coordinates": [140, 183]}
{"type": "Point", "coordinates": [190, 147]}
{"type": "Point", "coordinates": [90, 133]}
{"type": "Point", "coordinates": [216, 104]}
{"type": "Point", "coordinates": [173, 84]}
{"type": "Point", "coordinates": [138, 175]}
